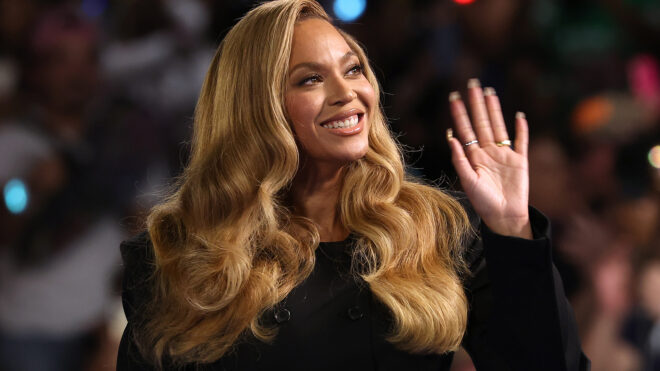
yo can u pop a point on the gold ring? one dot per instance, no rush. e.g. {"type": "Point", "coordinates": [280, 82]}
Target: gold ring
{"type": "Point", "coordinates": [504, 143]}
{"type": "Point", "coordinates": [471, 143]}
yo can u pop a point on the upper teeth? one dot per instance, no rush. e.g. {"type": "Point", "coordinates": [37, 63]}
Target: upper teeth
{"type": "Point", "coordinates": [348, 122]}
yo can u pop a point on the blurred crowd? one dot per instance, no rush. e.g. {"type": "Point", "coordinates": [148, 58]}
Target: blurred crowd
{"type": "Point", "coordinates": [96, 104]}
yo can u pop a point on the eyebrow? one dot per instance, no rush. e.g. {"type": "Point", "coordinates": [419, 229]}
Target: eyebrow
{"type": "Point", "coordinates": [316, 66]}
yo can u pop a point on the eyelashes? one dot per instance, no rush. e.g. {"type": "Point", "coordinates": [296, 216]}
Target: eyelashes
{"type": "Point", "coordinates": [354, 70]}
{"type": "Point", "coordinates": [310, 80]}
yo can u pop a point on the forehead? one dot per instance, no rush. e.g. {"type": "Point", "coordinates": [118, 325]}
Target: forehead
{"type": "Point", "coordinates": [315, 39]}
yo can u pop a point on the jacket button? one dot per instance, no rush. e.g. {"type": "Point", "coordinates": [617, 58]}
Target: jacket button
{"type": "Point", "coordinates": [282, 315]}
{"type": "Point", "coordinates": [355, 313]}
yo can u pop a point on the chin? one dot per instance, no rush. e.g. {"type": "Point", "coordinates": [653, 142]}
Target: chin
{"type": "Point", "coordinates": [338, 154]}
{"type": "Point", "coordinates": [354, 154]}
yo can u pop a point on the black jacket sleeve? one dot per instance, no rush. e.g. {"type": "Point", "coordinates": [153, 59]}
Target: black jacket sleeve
{"type": "Point", "coordinates": [519, 317]}
{"type": "Point", "coordinates": [137, 256]}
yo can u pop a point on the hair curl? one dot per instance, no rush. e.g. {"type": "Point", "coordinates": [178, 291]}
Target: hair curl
{"type": "Point", "coordinates": [227, 246]}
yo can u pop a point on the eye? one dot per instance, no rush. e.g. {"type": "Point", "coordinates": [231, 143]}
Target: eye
{"type": "Point", "coordinates": [309, 80]}
{"type": "Point", "coordinates": [355, 69]}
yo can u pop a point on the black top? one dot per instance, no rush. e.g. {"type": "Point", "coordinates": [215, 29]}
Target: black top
{"type": "Point", "coordinates": [519, 318]}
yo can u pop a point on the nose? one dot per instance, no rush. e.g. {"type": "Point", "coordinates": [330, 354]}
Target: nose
{"type": "Point", "coordinates": [341, 92]}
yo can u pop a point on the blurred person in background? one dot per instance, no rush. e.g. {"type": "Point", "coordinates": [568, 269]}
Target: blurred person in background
{"type": "Point", "coordinates": [58, 251]}
{"type": "Point", "coordinates": [614, 132]}
{"type": "Point", "coordinates": [154, 60]}
{"type": "Point", "coordinates": [16, 19]}
{"type": "Point", "coordinates": [642, 326]}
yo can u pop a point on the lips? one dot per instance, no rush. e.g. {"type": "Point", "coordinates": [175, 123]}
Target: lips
{"type": "Point", "coordinates": [347, 126]}
{"type": "Point", "coordinates": [348, 122]}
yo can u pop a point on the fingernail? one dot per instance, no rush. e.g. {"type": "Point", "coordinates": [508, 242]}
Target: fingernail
{"type": "Point", "coordinates": [473, 83]}
{"type": "Point", "coordinates": [450, 134]}
{"type": "Point", "coordinates": [489, 91]}
{"type": "Point", "coordinates": [454, 95]}
{"type": "Point", "coordinates": [520, 115]}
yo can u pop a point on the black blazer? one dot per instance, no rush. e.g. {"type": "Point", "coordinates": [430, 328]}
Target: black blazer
{"type": "Point", "coordinates": [519, 318]}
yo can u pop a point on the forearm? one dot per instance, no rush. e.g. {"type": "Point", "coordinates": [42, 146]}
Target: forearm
{"type": "Point", "coordinates": [519, 313]}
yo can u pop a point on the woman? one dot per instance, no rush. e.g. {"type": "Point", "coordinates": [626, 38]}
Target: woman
{"type": "Point", "coordinates": [294, 240]}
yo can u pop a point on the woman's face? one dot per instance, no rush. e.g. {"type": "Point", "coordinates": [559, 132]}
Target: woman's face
{"type": "Point", "coordinates": [328, 99]}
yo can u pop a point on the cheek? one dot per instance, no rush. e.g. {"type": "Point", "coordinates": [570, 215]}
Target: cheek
{"type": "Point", "coordinates": [368, 95]}
{"type": "Point", "coordinates": [302, 110]}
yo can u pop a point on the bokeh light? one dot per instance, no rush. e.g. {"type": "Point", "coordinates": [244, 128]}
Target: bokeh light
{"type": "Point", "coordinates": [654, 156]}
{"type": "Point", "coordinates": [93, 8]}
{"type": "Point", "coordinates": [349, 10]}
{"type": "Point", "coordinates": [463, 2]}
{"type": "Point", "coordinates": [16, 196]}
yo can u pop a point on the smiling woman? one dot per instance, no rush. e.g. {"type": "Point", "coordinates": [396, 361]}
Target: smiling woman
{"type": "Point", "coordinates": [294, 239]}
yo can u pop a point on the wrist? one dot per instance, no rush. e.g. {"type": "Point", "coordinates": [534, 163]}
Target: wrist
{"type": "Point", "coordinates": [521, 228]}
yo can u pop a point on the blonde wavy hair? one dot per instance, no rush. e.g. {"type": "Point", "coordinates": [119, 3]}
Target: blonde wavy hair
{"type": "Point", "coordinates": [227, 247]}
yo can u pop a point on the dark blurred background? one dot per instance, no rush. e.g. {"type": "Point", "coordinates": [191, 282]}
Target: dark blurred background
{"type": "Point", "coordinates": [96, 103]}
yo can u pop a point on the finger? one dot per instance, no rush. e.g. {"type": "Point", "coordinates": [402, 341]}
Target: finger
{"type": "Point", "coordinates": [495, 115]}
{"type": "Point", "coordinates": [462, 121]}
{"type": "Point", "coordinates": [479, 113]}
{"type": "Point", "coordinates": [522, 134]}
{"type": "Point", "coordinates": [461, 163]}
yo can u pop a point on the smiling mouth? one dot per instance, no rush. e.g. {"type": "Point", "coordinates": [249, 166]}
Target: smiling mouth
{"type": "Point", "coordinates": [347, 123]}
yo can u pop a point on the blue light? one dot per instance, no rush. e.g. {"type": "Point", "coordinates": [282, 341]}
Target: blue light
{"type": "Point", "coordinates": [349, 10]}
{"type": "Point", "coordinates": [93, 8]}
{"type": "Point", "coordinates": [16, 196]}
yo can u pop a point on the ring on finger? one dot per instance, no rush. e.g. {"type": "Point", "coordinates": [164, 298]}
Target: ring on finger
{"type": "Point", "coordinates": [471, 143]}
{"type": "Point", "coordinates": [504, 143]}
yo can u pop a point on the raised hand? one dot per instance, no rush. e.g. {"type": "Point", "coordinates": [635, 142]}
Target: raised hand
{"type": "Point", "coordinates": [494, 175]}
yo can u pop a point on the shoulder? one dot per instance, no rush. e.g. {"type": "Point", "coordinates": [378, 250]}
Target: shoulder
{"type": "Point", "coordinates": [139, 265]}
{"type": "Point", "coordinates": [135, 247]}
{"type": "Point", "coordinates": [138, 255]}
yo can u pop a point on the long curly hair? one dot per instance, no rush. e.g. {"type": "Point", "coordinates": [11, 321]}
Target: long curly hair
{"type": "Point", "coordinates": [227, 246]}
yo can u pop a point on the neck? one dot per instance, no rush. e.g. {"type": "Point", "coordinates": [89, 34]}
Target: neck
{"type": "Point", "coordinates": [315, 194]}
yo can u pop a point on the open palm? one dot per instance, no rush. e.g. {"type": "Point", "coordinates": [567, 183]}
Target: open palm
{"type": "Point", "coordinates": [494, 176]}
